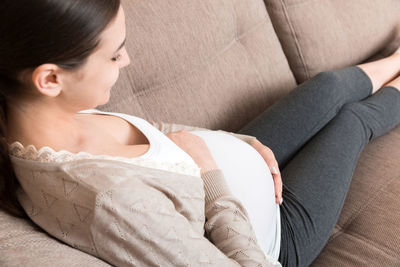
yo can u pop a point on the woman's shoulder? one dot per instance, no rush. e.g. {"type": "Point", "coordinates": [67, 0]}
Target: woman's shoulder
{"type": "Point", "coordinates": [98, 176]}
{"type": "Point", "coordinates": [46, 159]}
{"type": "Point", "coordinates": [102, 135]}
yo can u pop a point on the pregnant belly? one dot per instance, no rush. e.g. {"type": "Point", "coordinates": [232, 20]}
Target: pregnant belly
{"type": "Point", "coordinates": [250, 180]}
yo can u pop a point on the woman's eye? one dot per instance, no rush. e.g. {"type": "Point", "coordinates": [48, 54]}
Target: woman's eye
{"type": "Point", "coordinates": [116, 58]}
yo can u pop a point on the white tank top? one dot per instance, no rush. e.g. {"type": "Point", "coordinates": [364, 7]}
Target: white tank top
{"type": "Point", "coordinates": [246, 173]}
{"type": "Point", "coordinates": [161, 147]}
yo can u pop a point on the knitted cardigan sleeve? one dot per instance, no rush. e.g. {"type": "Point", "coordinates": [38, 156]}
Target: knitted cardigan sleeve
{"type": "Point", "coordinates": [166, 127]}
{"type": "Point", "coordinates": [228, 226]}
{"type": "Point", "coordinates": [137, 224]}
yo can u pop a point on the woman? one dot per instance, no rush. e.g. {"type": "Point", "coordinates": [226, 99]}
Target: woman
{"type": "Point", "coordinates": [90, 186]}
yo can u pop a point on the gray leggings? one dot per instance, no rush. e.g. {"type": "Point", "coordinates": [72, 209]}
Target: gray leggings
{"type": "Point", "coordinates": [317, 133]}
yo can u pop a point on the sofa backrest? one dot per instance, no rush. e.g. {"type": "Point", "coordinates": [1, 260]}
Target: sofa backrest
{"type": "Point", "coordinates": [217, 64]}
{"type": "Point", "coordinates": [209, 63]}
{"type": "Point", "coordinates": [325, 35]}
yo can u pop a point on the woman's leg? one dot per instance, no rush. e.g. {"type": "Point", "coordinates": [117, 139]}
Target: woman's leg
{"type": "Point", "coordinates": [317, 179]}
{"type": "Point", "coordinates": [288, 124]}
{"type": "Point", "coordinates": [383, 70]}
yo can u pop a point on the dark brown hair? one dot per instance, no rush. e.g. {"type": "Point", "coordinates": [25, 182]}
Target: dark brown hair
{"type": "Point", "coordinates": [62, 32]}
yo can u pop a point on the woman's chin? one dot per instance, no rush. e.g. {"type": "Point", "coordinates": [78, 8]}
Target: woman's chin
{"type": "Point", "coordinates": [106, 98]}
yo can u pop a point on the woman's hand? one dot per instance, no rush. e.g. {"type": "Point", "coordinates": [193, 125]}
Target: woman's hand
{"type": "Point", "coordinates": [195, 147]}
{"type": "Point", "coordinates": [269, 158]}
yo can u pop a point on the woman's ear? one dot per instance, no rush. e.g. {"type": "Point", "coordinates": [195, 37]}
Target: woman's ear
{"type": "Point", "coordinates": [46, 79]}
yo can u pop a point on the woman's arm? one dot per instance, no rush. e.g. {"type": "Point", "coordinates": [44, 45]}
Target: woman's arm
{"type": "Point", "coordinates": [136, 224]}
{"type": "Point", "coordinates": [166, 127]}
{"type": "Point", "coordinates": [228, 225]}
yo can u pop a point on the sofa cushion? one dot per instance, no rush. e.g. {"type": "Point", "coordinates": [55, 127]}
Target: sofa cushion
{"type": "Point", "coordinates": [368, 230]}
{"type": "Point", "coordinates": [326, 35]}
{"type": "Point", "coordinates": [209, 63]}
{"type": "Point", "coordinates": [22, 243]}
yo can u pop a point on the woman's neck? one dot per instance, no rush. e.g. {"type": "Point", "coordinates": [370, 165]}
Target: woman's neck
{"type": "Point", "coordinates": [43, 124]}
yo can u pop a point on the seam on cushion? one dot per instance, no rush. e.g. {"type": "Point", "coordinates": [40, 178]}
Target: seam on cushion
{"type": "Point", "coordinates": [198, 67]}
{"type": "Point", "coordinates": [376, 245]}
{"type": "Point", "coordinates": [234, 20]}
{"type": "Point", "coordinates": [343, 229]}
{"type": "Point", "coordinates": [255, 26]}
{"type": "Point", "coordinates": [296, 41]}
{"type": "Point", "coordinates": [250, 58]}
{"type": "Point", "coordinates": [304, 2]}
{"type": "Point", "coordinates": [241, 44]}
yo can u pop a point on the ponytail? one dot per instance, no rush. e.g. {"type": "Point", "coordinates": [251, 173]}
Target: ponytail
{"type": "Point", "coordinates": [8, 179]}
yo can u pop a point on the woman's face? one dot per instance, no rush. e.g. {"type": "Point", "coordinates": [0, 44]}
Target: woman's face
{"type": "Point", "coordinates": [90, 86]}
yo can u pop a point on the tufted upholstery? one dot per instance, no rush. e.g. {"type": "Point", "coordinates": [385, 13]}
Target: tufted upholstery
{"type": "Point", "coordinates": [324, 35]}
{"type": "Point", "coordinates": [186, 56]}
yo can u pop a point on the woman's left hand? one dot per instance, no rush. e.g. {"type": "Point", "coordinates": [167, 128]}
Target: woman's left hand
{"type": "Point", "coordinates": [269, 158]}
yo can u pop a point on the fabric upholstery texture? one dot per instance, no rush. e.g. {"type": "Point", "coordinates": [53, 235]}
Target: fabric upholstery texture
{"type": "Point", "coordinates": [326, 35]}
{"type": "Point", "coordinates": [217, 64]}
{"type": "Point", "coordinates": [368, 230]}
{"type": "Point", "coordinates": [188, 56]}
{"type": "Point", "coordinates": [22, 243]}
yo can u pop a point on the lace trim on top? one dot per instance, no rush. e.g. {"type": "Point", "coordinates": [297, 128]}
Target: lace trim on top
{"type": "Point", "coordinates": [47, 154]}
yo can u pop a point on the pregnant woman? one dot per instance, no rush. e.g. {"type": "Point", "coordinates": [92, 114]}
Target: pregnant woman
{"type": "Point", "coordinates": [139, 193]}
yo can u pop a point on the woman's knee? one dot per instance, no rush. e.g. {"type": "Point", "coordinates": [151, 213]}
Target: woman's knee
{"type": "Point", "coordinates": [329, 77]}
{"type": "Point", "coordinates": [356, 109]}
{"type": "Point", "coordinates": [330, 85]}
{"type": "Point", "coordinates": [358, 115]}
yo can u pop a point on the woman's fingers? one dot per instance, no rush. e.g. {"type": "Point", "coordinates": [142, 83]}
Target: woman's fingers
{"type": "Point", "coordinates": [270, 159]}
{"type": "Point", "coordinates": [276, 175]}
{"type": "Point", "coordinates": [278, 184]}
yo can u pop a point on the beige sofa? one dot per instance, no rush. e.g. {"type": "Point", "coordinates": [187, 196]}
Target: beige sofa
{"type": "Point", "coordinates": [219, 63]}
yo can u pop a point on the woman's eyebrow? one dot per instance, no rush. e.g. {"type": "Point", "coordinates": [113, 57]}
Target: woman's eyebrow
{"type": "Point", "coordinates": [123, 43]}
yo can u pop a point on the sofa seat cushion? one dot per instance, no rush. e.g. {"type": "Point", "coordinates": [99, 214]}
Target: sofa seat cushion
{"type": "Point", "coordinates": [330, 34]}
{"type": "Point", "coordinates": [22, 243]}
{"type": "Point", "coordinates": [368, 230]}
{"type": "Point", "coordinates": [210, 63]}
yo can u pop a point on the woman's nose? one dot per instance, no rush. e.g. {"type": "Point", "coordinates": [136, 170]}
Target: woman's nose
{"type": "Point", "coordinates": [125, 58]}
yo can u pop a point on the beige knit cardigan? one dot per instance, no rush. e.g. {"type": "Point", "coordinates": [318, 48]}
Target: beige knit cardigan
{"type": "Point", "coordinates": [137, 212]}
